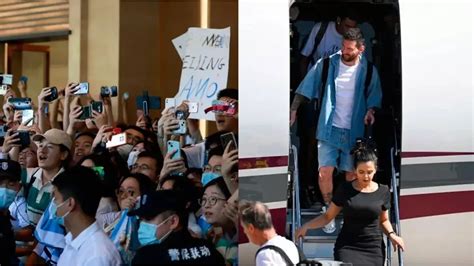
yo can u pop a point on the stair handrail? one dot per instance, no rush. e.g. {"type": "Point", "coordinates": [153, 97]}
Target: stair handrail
{"type": "Point", "coordinates": [396, 203]}
{"type": "Point", "coordinates": [296, 212]}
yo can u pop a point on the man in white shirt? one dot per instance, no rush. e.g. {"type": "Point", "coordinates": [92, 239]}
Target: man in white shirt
{"type": "Point", "coordinates": [329, 43]}
{"type": "Point", "coordinates": [324, 40]}
{"type": "Point", "coordinates": [258, 227]}
{"type": "Point", "coordinates": [76, 198]}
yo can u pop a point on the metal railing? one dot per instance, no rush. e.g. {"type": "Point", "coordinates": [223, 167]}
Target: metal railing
{"type": "Point", "coordinates": [396, 210]}
{"type": "Point", "coordinates": [296, 211]}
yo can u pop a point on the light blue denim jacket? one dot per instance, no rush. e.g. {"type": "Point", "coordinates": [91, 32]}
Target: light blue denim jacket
{"type": "Point", "coordinates": [310, 85]}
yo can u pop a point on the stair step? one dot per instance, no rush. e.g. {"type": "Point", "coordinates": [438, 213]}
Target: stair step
{"type": "Point", "coordinates": [320, 239]}
{"type": "Point", "coordinates": [318, 250]}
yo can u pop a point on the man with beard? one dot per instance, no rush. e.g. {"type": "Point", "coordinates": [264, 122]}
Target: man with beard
{"type": "Point", "coordinates": [347, 103]}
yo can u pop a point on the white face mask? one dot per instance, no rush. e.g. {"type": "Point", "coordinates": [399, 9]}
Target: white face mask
{"type": "Point", "coordinates": [132, 158]}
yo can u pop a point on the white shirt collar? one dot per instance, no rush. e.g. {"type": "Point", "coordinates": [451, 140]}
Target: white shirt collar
{"type": "Point", "coordinates": [82, 237]}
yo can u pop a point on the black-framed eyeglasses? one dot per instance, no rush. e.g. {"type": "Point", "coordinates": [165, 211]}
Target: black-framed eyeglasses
{"type": "Point", "coordinates": [216, 169]}
{"type": "Point", "coordinates": [212, 201]}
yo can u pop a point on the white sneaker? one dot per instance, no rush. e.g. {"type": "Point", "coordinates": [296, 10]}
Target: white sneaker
{"type": "Point", "coordinates": [331, 226]}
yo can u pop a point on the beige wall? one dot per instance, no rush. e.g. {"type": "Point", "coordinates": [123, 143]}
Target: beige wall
{"type": "Point", "coordinates": [139, 53]}
{"type": "Point", "coordinates": [58, 65]}
{"type": "Point", "coordinates": [224, 13]}
{"type": "Point", "coordinates": [33, 66]}
{"type": "Point", "coordinates": [2, 54]}
{"type": "Point", "coordinates": [103, 45]}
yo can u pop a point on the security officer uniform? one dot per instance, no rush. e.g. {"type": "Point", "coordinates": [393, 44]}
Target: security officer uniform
{"type": "Point", "coordinates": [179, 247]}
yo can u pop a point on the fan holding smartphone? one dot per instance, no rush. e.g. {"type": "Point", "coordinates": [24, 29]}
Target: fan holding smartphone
{"type": "Point", "coordinates": [230, 161]}
{"type": "Point", "coordinates": [173, 163]}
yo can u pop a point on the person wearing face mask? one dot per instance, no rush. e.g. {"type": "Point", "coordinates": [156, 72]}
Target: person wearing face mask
{"type": "Point", "coordinates": [163, 235]}
{"type": "Point", "coordinates": [9, 186]}
{"type": "Point", "coordinates": [77, 192]}
{"type": "Point", "coordinates": [212, 170]}
{"type": "Point", "coordinates": [134, 135]}
{"type": "Point", "coordinates": [133, 155]}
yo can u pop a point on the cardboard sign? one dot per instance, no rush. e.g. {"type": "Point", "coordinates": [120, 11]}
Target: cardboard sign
{"type": "Point", "coordinates": [205, 57]}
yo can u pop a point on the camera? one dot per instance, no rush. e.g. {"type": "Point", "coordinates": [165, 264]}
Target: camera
{"type": "Point", "coordinates": [24, 138]}
{"type": "Point", "coordinates": [87, 110]}
{"type": "Point", "coordinates": [53, 96]}
{"type": "Point", "coordinates": [108, 91]}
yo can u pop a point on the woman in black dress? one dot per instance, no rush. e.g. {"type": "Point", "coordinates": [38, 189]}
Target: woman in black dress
{"type": "Point", "coordinates": [365, 205]}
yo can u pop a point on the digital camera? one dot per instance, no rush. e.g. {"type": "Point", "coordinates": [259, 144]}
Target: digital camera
{"type": "Point", "coordinates": [108, 91]}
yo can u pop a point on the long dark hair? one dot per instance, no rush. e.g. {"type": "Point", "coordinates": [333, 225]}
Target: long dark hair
{"type": "Point", "coordinates": [363, 152]}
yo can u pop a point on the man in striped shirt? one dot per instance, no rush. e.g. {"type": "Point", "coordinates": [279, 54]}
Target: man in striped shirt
{"type": "Point", "coordinates": [53, 155]}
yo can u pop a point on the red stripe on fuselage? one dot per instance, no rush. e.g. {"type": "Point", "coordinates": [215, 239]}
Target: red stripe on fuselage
{"type": "Point", "coordinates": [412, 154]}
{"type": "Point", "coordinates": [263, 162]}
{"type": "Point", "coordinates": [422, 205]}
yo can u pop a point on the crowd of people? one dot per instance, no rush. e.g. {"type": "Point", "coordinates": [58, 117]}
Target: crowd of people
{"type": "Point", "coordinates": [70, 194]}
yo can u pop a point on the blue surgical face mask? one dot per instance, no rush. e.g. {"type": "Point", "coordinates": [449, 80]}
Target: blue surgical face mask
{"type": "Point", "coordinates": [53, 209]}
{"type": "Point", "coordinates": [7, 196]}
{"type": "Point", "coordinates": [147, 233]}
{"type": "Point", "coordinates": [132, 158]}
{"type": "Point", "coordinates": [208, 177]}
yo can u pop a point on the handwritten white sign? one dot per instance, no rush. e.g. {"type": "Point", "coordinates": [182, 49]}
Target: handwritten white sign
{"type": "Point", "coordinates": [205, 56]}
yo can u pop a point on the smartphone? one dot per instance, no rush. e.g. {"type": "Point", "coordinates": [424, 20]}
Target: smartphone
{"type": "Point", "coordinates": [117, 140]}
{"type": "Point", "coordinates": [20, 103]}
{"type": "Point", "coordinates": [193, 107]}
{"type": "Point", "coordinates": [108, 91]}
{"type": "Point", "coordinates": [97, 106]}
{"type": "Point", "coordinates": [86, 112]}
{"type": "Point", "coordinates": [182, 129]}
{"type": "Point", "coordinates": [53, 96]}
{"type": "Point", "coordinates": [24, 79]}
{"type": "Point", "coordinates": [83, 88]}
{"type": "Point", "coordinates": [27, 117]}
{"type": "Point", "coordinates": [24, 137]}
{"type": "Point", "coordinates": [172, 146]}
{"type": "Point", "coordinates": [228, 137]}
{"type": "Point", "coordinates": [6, 79]}
{"type": "Point", "coordinates": [170, 102]}
{"type": "Point", "coordinates": [3, 89]}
